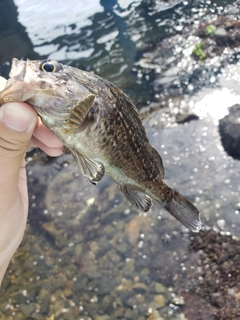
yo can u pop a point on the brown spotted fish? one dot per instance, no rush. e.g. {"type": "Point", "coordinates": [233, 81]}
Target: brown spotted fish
{"type": "Point", "coordinates": [101, 127]}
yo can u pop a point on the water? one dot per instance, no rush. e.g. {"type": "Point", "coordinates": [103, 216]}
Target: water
{"type": "Point", "coordinates": [87, 254]}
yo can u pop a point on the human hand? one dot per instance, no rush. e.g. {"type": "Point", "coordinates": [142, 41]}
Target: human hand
{"type": "Point", "coordinates": [20, 129]}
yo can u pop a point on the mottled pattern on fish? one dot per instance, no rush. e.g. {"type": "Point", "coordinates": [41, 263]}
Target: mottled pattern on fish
{"type": "Point", "coordinates": [101, 127]}
{"type": "Point", "coordinates": [121, 130]}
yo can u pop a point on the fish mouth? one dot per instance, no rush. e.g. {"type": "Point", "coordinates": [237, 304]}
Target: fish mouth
{"type": "Point", "coordinates": [17, 86]}
{"type": "Point", "coordinates": [21, 71]}
{"type": "Point", "coordinates": [17, 72]}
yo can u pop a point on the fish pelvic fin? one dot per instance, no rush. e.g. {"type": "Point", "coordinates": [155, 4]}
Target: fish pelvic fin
{"type": "Point", "coordinates": [91, 169]}
{"type": "Point", "coordinates": [136, 197]}
{"type": "Point", "coordinates": [184, 211]}
{"type": "Point", "coordinates": [76, 118]}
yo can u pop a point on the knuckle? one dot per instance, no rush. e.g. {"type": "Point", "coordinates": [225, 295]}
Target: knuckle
{"type": "Point", "coordinates": [12, 146]}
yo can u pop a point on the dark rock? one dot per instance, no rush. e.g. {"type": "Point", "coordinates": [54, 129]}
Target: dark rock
{"type": "Point", "coordinates": [108, 284]}
{"type": "Point", "coordinates": [219, 259]}
{"type": "Point", "coordinates": [5, 283]}
{"type": "Point", "coordinates": [92, 309]}
{"type": "Point", "coordinates": [107, 304]}
{"type": "Point", "coordinates": [128, 269]}
{"type": "Point", "coordinates": [131, 314]}
{"type": "Point", "coordinates": [27, 309]}
{"type": "Point", "coordinates": [80, 284]}
{"type": "Point", "coordinates": [92, 273]}
{"type": "Point", "coordinates": [121, 246]}
{"type": "Point", "coordinates": [182, 118]}
{"type": "Point", "coordinates": [45, 304]}
{"type": "Point", "coordinates": [140, 288]}
{"type": "Point", "coordinates": [114, 214]}
{"type": "Point", "coordinates": [125, 297]}
{"type": "Point", "coordinates": [59, 281]}
{"type": "Point", "coordinates": [229, 129]}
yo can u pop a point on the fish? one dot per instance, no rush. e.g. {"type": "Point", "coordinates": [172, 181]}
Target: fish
{"type": "Point", "coordinates": [101, 127]}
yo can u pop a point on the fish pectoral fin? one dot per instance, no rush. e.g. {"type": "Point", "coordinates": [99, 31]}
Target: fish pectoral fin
{"type": "Point", "coordinates": [184, 211]}
{"type": "Point", "coordinates": [137, 198]}
{"type": "Point", "coordinates": [94, 171]}
{"type": "Point", "coordinates": [76, 118]}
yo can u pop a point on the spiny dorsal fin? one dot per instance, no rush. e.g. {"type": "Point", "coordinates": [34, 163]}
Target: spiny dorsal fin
{"type": "Point", "coordinates": [137, 198]}
{"type": "Point", "coordinates": [78, 114]}
{"type": "Point", "coordinates": [94, 171]}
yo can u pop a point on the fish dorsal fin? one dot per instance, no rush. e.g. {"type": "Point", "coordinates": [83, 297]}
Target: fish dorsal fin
{"type": "Point", "coordinates": [77, 114]}
{"type": "Point", "coordinates": [94, 171]}
{"type": "Point", "coordinates": [137, 198]}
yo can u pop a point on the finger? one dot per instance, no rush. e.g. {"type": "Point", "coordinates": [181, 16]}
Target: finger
{"type": "Point", "coordinates": [51, 151]}
{"type": "Point", "coordinates": [3, 82]}
{"type": "Point", "coordinates": [44, 135]}
{"type": "Point", "coordinates": [17, 123]}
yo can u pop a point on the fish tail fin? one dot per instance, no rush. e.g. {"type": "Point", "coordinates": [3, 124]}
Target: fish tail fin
{"type": "Point", "coordinates": [184, 211]}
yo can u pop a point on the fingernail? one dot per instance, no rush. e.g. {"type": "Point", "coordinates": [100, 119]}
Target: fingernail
{"type": "Point", "coordinates": [16, 118]}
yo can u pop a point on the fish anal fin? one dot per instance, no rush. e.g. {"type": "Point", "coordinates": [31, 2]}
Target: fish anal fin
{"type": "Point", "coordinates": [91, 169]}
{"type": "Point", "coordinates": [137, 198]}
{"type": "Point", "coordinates": [76, 118]}
{"type": "Point", "coordinates": [184, 211]}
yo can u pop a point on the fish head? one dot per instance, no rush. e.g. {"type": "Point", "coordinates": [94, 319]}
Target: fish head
{"type": "Point", "coordinates": [49, 86]}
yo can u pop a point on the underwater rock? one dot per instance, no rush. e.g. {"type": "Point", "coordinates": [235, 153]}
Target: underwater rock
{"type": "Point", "coordinates": [160, 300]}
{"type": "Point", "coordinates": [160, 288]}
{"type": "Point", "coordinates": [27, 309]}
{"type": "Point", "coordinates": [229, 129]}
{"type": "Point", "coordinates": [140, 288]}
{"type": "Point", "coordinates": [219, 258]}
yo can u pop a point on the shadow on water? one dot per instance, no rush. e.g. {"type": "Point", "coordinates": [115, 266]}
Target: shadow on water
{"type": "Point", "coordinates": [87, 254]}
{"type": "Point", "coordinates": [13, 37]}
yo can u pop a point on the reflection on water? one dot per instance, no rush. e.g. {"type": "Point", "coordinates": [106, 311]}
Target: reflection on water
{"type": "Point", "coordinates": [13, 37]}
{"type": "Point", "coordinates": [87, 254]}
{"type": "Point", "coordinates": [108, 37]}
{"type": "Point", "coordinates": [216, 102]}
{"type": "Point", "coordinates": [60, 18]}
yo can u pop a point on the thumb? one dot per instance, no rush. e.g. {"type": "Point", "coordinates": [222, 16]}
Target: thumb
{"type": "Point", "coordinates": [17, 122]}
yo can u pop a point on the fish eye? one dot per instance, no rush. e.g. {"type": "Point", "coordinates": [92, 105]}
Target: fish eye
{"type": "Point", "coordinates": [50, 66]}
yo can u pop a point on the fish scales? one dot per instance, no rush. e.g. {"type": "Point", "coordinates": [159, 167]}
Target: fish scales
{"type": "Point", "coordinates": [119, 136]}
{"type": "Point", "coordinates": [102, 129]}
